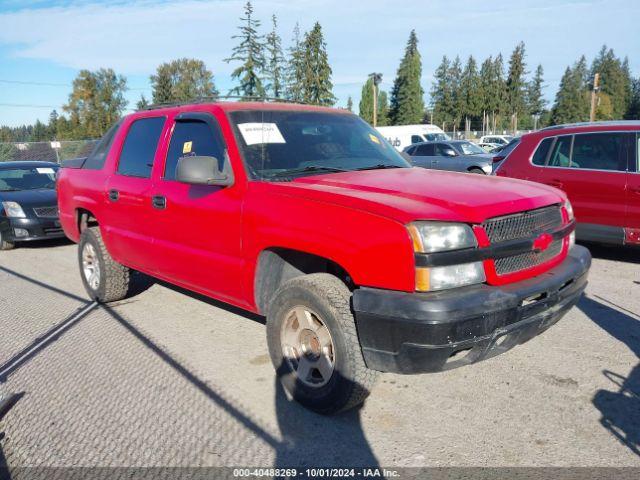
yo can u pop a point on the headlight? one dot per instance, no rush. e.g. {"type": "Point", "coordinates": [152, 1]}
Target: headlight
{"type": "Point", "coordinates": [430, 237]}
{"type": "Point", "coordinates": [569, 208]}
{"type": "Point", "coordinates": [440, 278]}
{"type": "Point", "coordinates": [13, 209]}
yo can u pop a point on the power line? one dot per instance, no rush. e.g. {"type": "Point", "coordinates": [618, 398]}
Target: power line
{"type": "Point", "coordinates": [49, 84]}
{"type": "Point", "coordinates": [24, 105]}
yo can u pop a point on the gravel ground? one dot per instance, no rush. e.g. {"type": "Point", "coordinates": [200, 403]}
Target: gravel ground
{"type": "Point", "coordinates": [167, 378]}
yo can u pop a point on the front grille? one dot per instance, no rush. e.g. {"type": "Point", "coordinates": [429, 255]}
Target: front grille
{"type": "Point", "coordinates": [525, 225]}
{"type": "Point", "coordinates": [528, 259]}
{"type": "Point", "coordinates": [46, 212]}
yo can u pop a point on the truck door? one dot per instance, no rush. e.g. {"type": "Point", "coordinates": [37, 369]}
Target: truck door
{"type": "Point", "coordinates": [128, 213]}
{"type": "Point", "coordinates": [198, 227]}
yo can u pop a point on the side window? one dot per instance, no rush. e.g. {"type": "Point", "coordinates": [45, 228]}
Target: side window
{"type": "Point", "coordinates": [440, 148]}
{"type": "Point", "coordinates": [191, 138]}
{"type": "Point", "coordinates": [411, 151]}
{"type": "Point", "coordinates": [540, 156]}
{"type": "Point", "coordinates": [139, 149]}
{"type": "Point", "coordinates": [416, 139]}
{"type": "Point", "coordinates": [95, 160]}
{"type": "Point", "coordinates": [600, 151]}
{"type": "Point", "coordinates": [425, 150]}
{"type": "Point", "coordinates": [561, 152]}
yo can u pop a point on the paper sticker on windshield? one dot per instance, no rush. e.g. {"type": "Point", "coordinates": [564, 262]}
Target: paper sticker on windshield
{"type": "Point", "coordinates": [374, 139]}
{"type": "Point", "coordinates": [257, 133]}
{"type": "Point", "coordinates": [186, 147]}
{"type": "Point", "coordinates": [46, 171]}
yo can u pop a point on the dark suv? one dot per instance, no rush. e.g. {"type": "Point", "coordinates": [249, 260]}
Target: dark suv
{"type": "Point", "coordinates": [596, 164]}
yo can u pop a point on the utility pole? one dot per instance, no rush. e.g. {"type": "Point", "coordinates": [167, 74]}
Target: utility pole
{"type": "Point", "coordinates": [376, 79]}
{"type": "Point", "coordinates": [594, 96]}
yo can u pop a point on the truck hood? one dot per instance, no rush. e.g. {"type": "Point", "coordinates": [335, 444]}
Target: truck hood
{"type": "Point", "coordinates": [408, 194]}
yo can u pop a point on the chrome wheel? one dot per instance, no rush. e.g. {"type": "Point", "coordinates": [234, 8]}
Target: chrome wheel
{"type": "Point", "coordinates": [308, 347]}
{"type": "Point", "coordinates": [91, 266]}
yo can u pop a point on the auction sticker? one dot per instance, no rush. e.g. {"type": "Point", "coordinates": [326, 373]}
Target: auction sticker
{"type": "Point", "coordinates": [256, 133]}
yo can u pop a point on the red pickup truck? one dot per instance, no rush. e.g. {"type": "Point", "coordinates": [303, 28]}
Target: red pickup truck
{"type": "Point", "coordinates": [308, 216]}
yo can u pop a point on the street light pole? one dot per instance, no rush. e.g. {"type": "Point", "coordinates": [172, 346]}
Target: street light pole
{"type": "Point", "coordinates": [376, 79]}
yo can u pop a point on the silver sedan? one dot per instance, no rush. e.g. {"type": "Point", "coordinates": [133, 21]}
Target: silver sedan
{"type": "Point", "coordinates": [456, 155]}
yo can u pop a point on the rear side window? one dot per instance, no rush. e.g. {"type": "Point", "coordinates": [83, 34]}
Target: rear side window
{"type": "Point", "coordinates": [95, 160]}
{"type": "Point", "coordinates": [193, 138]}
{"type": "Point", "coordinates": [560, 155]}
{"type": "Point", "coordinates": [540, 157]}
{"type": "Point", "coordinates": [600, 151]}
{"type": "Point", "coordinates": [139, 149]}
{"type": "Point", "coordinates": [425, 150]}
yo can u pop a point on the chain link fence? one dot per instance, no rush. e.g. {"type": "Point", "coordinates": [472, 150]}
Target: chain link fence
{"type": "Point", "coordinates": [45, 151]}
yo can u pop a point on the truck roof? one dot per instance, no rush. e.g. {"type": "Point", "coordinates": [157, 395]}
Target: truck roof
{"type": "Point", "coordinates": [237, 106]}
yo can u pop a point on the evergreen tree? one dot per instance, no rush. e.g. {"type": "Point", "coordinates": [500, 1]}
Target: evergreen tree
{"type": "Point", "coordinates": [516, 84]}
{"type": "Point", "coordinates": [95, 103]}
{"type": "Point", "coordinates": [295, 72]}
{"type": "Point", "coordinates": [383, 109]}
{"type": "Point", "coordinates": [275, 62]}
{"type": "Point", "coordinates": [455, 75]}
{"type": "Point", "coordinates": [142, 103]}
{"type": "Point", "coordinates": [53, 125]}
{"type": "Point", "coordinates": [350, 104]}
{"type": "Point", "coordinates": [442, 103]}
{"type": "Point", "coordinates": [181, 80]}
{"type": "Point", "coordinates": [407, 102]}
{"type": "Point", "coordinates": [572, 100]}
{"type": "Point", "coordinates": [470, 93]}
{"type": "Point", "coordinates": [535, 100]}
{"type": "Point", "coordinates": [317, 86]}
{"type": "Point", "coordinates": [615, 80]}
{"type": "Point", "coordinates": [633, 112]}
{"type": "Point", "coordinates": [250, 53]}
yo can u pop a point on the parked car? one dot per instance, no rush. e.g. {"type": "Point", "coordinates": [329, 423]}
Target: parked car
{"type": "Point", "coordinates": [456, 155]}
{"type": "Point", "coordinates": [306, 215]}
{"type": "Point", "coordinates": [596, 165]}
{"type": "Point", "coordinates": [489, 147]}
{"type": "Point", "coordinates": [28, 204]}
{"type": "Point", "coordinates": [402, 136]}
{"type": "Point", "coordinates": [496, 139]}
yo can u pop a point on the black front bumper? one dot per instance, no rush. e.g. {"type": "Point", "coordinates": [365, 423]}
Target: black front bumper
{"type": "Point", "coordinates": [37, 228]}
{"type": "Point", "coordinates": [430, 332]}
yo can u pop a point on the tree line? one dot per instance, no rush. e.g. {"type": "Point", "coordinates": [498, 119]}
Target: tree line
{"type": "Point", "coordinates": [470, 96]}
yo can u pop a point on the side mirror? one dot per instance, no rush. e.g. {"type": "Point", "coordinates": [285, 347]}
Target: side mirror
{"type": "Point", "coordinates": [449, 152]}
{"type": "Point", "coordinates": [204, 171]}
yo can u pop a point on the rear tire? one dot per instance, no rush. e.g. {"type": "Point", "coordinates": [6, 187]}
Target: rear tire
{"type": "Point", "coordinates": [104, 279]}
{"type": "Point", "coordinates": [314, 313]}
{"type": "Point", "coordinates": [477, 170]}
{"type": "Point", "coordinates": [5, 244]}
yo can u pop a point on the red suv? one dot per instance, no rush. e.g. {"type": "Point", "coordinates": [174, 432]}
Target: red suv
{"type": "Point", "coordinates": [307, 215]}
{"type": "Point", "coordinates": [596, 164]}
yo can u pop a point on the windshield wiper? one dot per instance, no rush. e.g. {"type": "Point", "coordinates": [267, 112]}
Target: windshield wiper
{"type": "Point", "coordinates": [309, 168]}
{"type": "Point", "coordinates": [380, 166]}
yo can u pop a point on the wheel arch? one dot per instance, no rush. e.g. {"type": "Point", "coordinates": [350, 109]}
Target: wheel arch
{"type": "Point", "coordinates": [276, 265]}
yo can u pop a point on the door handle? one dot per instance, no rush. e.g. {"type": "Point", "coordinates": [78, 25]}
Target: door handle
{"type": "Point", "coordinates": [114, 195]}
{"type": "Point", "coordinates": [556, 183]}
{"type": "Point", "coordinates": [159, 202]}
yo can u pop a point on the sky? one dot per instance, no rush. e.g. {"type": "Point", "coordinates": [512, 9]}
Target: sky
{"type": "Point", "coordinates": [44, 43]}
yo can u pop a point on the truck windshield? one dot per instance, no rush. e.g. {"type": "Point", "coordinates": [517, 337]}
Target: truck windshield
{"type": "Point", "coordinates": [36, 178]}
{"type": "Point", "coordinates": [284, 144]}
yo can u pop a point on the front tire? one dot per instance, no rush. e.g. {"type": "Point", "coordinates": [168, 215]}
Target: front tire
{"type": "Point", "coordinates": [104, 279]}
{"type": "Point", "coordinates": [477, 170]}
{"type": "Point", "coordinates": [5, 244]}
{"type": "Point", "coordinates": [313, 344]}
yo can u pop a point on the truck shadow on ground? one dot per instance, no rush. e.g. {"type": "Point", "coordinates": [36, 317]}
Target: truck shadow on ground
{"type": "Point", "coordinates": [612, 252]}
{"type": "Point", "coordinates": [620, 408]}
{"type": "Point", "coordinates": [306, 438]}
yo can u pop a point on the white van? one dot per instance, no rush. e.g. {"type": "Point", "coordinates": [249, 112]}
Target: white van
{"type": "Point", "coordinates": [404, 135]}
